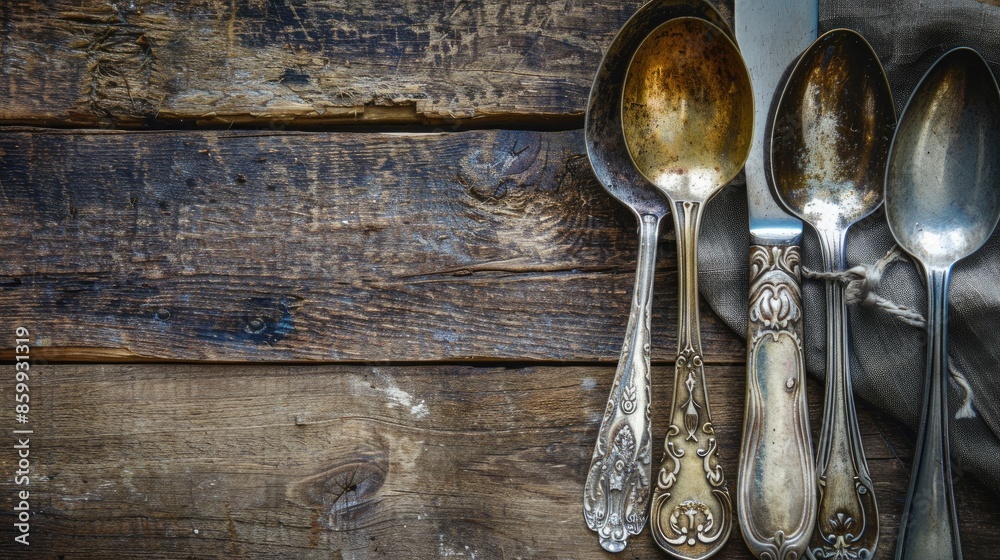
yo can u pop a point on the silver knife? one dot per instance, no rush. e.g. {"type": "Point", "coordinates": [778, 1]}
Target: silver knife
{"type": "Point", "coordinates": [776, 485]}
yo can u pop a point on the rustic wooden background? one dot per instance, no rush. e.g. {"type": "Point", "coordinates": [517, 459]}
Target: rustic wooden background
{"type": "Point", "coordinates": [329, 279]}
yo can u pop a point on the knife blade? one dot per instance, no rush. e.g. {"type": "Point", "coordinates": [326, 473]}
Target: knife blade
{"type": "Point", "coordinates": [776, 485]}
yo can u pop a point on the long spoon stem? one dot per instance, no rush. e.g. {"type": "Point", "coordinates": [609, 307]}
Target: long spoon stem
{"type": "Point", "coordinates": [847, 518]}
{"type": "Point", "coordinates": [691, 515]}
{"type": "Point", "coordinates": [929, 526]}
{"type": "Point", "coordinates": [617, 488]}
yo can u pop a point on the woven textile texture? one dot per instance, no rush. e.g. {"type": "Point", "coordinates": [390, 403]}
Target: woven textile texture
{"type": "Point", "coordinates": [887, 356]}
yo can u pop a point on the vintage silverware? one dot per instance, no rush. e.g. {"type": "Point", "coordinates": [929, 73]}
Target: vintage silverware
{"type": "Point", "coordinates": [942, 202]}
{"type": "Point", "coordinates": [687, 116]}
{"type": "Point", "coordinates": [830, 140]}
{"type": "Point", "coordinates": [618, 483]}
{"type": "Point", "coordinates": [776, 484]}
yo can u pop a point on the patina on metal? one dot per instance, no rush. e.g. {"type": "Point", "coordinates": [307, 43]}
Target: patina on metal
{"type": "Point", "coordinates": [618, 483]}
{"type": "Point", "coordinates": [942, 196]}
{"type": "Point", "coordinates": [776, 483]}
{"type": "Point", "coordinates": [687, 117]}
{"type": "Point", "coordinates": [830, 142]}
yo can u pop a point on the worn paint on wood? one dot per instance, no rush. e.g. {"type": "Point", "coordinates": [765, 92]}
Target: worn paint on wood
{"type": "Point", "coordinates": [300, 62]}
{"type": "Point", "coordinates": [360, 462]}
{"type": "Point", "coordinates": [247, 246]}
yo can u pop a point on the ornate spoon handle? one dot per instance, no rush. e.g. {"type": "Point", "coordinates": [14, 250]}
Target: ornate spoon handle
{"type": "Point", "coordinates": [776, 485]}
{"type": "Point", "coordinates": [617, 488]}
{"type": "Point", "coordinates": [692, 511]}
{"type": "Point", "coordinates": [847, 524]}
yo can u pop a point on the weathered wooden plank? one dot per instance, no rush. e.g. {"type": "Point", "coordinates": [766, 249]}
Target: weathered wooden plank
{"type": "Point", "coordinates": [178, 461]}
{"type": "Point", "coordinates": [276, 246]}
{"type": "Point", "coordinates": [300, 62]}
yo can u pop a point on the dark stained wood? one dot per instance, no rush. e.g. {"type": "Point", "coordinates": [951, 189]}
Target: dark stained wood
{"type": "Point", "coordinates": [180, 461]}
{"type": "Point", "coordinates": [314, 246]}
{"type": "Point", "coordinates": [301, 62]}
{"type": "Point", "coordinates": [412, 257]}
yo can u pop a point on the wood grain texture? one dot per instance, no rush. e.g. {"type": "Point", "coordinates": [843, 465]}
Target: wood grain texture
{"type": "Point", "coordinates": [339, 247]}
{"type": "Point", "coordinates": [301, 62]}
{"type": "Point", "coordinates": [179, 461]}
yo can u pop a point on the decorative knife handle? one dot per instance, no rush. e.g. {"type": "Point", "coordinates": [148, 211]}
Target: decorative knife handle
{"type": "Point", "coordinates": [692, 514]}
{"type": "Point", "coordinates": [617, 489]}
{"type": "Point", "coordinates": [776, 485]}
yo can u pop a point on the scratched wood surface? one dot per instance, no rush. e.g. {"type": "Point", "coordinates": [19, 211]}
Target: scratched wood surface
{"type": "Point", "coordinates": [303, 63]}
{"type": "Point", "coordinates": [179, 461]}
{"type": "Point", "coordinates": [485, 270]}
{"type": "Point", "coordinates": [274, 246]}
{"type": "Point", "coordinates": [312, 63]}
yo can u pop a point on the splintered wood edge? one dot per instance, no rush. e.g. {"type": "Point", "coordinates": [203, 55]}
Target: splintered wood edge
{"type": "Point", "coordinates": [44, 355]}
{"type": "Point", "coordinates": [346, 118]}
{"type": "Point", "coordinates": [55, 354]}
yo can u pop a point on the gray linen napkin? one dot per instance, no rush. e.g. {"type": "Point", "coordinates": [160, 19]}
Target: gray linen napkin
{"type": "Point", "coordinates": [888, 355]}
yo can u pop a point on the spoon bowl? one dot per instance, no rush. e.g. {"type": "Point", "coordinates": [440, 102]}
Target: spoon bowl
{"type": "Point", "coordinates": [832, 137]}
{"type": "Point", "coordinates": [942, 193]}
{"type": "Point", "coordinates": [687, 117]}
{"type": "Point", "coordinates": [606, 149]}
{"type": "Point", "coordinates": [617, 490]}
{"type": "Point", "coordinates": [829, 145]}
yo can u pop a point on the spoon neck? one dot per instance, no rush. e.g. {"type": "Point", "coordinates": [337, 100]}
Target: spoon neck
{"type": "Point", "coordinates": [831, 242]}
{"type": "Point", "coordinates": [687, 220]}
{"type": "Point", "coordinates": [938, 285]}
{"type": "Point", "coordinates": [840, 443]}
{"type": "Point", "coordinates": [929, 524]}
{"type": "Point", "coordinates": [649, 232]}
{"type": "Point", "coordinates": [831, 245]}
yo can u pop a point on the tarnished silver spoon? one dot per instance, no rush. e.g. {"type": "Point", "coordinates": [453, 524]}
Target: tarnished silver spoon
{"type": "Point", "coordinates": [942, 201]}
{"type": "Point", "coordinates": [687, 113]}
{"type": "Point", "coordinates": [830, 141]}
{"type": "Point", "coordinates": [617, 490]}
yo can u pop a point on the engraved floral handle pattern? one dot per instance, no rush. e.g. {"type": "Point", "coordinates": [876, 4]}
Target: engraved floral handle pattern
{"type": "Point", "coordinates": [691, 514]}
{"type": "Point", "coordinates": [617, 488]}
{"type": "Point", "coordinates": [847, 525]}
{"type": "Point", "coordinates": [776, 485]}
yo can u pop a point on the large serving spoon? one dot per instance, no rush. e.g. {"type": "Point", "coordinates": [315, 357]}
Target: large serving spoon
{"type": "Point", "coordinates": [618, 483]}
{"type": "Point", "coordinates": [829, 144]}
{"type": "Point", "coordinates": [687, 116]}
{"type": "Point", "coordinates": [942, 202]}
